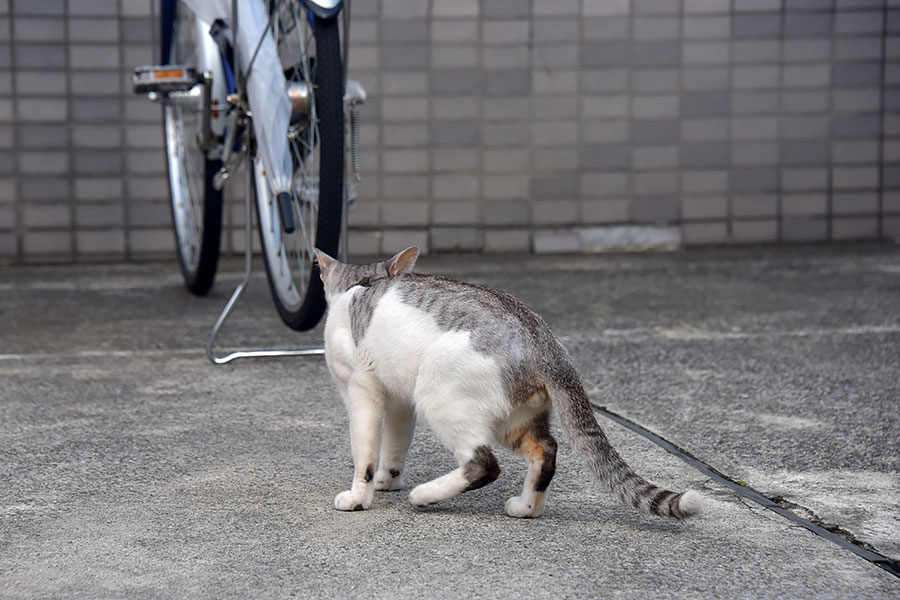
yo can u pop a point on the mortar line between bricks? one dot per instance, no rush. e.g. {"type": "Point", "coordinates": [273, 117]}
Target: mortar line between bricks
{"type": "Point", "coordinates": [876, 558]}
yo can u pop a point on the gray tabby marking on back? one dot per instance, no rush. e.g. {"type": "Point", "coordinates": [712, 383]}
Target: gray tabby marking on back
{"type": "Point", "coordinates": [501, 327]}
{"type": "Point", "coordinates": [363, 305]}
{"type": "Point", "coordinates": [374, 281]}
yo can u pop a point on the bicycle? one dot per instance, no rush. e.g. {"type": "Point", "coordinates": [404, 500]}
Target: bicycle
{"type": "Point", "coordinates": [263, 81]}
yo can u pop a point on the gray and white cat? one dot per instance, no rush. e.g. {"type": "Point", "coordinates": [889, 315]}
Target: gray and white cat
{"type": "Point", "coordinates": [479, 367]}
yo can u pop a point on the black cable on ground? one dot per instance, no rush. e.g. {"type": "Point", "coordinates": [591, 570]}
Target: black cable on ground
{"type": "Point", "coordinates": [889, 565]}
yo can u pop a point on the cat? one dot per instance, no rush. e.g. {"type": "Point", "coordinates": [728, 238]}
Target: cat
{"type": "Point", "coordinates": [479, 367]}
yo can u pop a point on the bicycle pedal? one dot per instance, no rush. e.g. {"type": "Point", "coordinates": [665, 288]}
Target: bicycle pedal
{"type": "Point", "coordinates": [164, 79]}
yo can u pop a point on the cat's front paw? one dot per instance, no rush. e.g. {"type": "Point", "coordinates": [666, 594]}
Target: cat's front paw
{"type": "Point", "coordinates": [352, 501]}
{"type": "Point", "coordinates": [388, 480]}
{"type": "Point", "coordinates": [516, 507]}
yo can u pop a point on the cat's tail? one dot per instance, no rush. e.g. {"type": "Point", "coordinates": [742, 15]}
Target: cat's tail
{"type": "Point", "coordinates": [571, 402]}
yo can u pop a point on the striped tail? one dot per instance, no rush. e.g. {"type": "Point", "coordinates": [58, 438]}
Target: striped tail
{"type": "Point", "coordinates": [577, 418]}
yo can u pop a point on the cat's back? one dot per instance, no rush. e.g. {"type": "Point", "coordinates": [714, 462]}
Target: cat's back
{"type": "Point", "coordinates": [414, 304]}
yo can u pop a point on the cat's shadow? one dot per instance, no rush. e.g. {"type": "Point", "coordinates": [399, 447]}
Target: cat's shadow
{"type": "Point", "coordinates": [487, 507]}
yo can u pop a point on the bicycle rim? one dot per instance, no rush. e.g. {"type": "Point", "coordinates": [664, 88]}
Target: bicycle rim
{"type": "Point", "coordinates": [309, 53]}
{"type": "Point", "coordinates": [196, 205]}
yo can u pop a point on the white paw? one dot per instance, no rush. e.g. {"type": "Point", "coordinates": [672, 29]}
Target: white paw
{"type": "Point", "coordinates": [352, 501]}
{"type": "Point", "coordinates": [516, 507]}
{"type": "Point", "coordinates": [385, 481]}
{"type": "Point", "coordinates": [420, 497]}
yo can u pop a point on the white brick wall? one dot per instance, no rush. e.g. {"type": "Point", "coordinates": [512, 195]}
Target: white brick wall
{"type": "Point", "coordinates": [493, 125]}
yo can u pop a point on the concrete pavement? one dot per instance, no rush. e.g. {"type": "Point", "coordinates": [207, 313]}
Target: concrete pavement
{"type": "Point", "coordinates": [132, 467]}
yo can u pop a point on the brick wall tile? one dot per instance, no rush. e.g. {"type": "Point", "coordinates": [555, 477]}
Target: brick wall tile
{"type": "Point", "coordinates": [363, 244]}
{"type": "Point", "coordinates": [43, 163]}
{"type": "Point", "coordinates": [42, 109]}
{"type": "Point", "coordinates": [660, 209]}
{"type": "Point", "coordinates": [801, 50]}
{"type": "Point", "coordinates": [804, 230]}
{"type": "Point", "coordinates": [454, 186]}
{"type": "Point", "coordinates": [555, 242]}
{"type": "Point", "coordinates": [596, 212]}
{"type": "Point", "coordinates": [891, 228]}
{"type": "Point", "coordinates": [515, 212]}
{"type": "Point", "coordinates": [95, 8]}
{"type": "Point", "coordinates": [556, 7]}
{"type": "Point", "coordinates": [857, 48]}
{"type": "Point", "coordinates": [754, 206]}
{"type": "Point", "coordinates": [705, 53]}
{"type": "Point", "coordinates": [456, 239]}
{"type": "Point", "coordinates": [854, 203]}
{"type": "Point", "coordinates": [455, 108]}
{"type": "Point", "coordinates": [395, 240]}
{"type": "Point", "coordinates": [700, 208]}
{"type": "Point", "coordinates": [455, 213]}
{"type": "Point", "coordinates": [44, 188]}
{"type": "Point", "coordinates": [854, 229]}
{"type": "Point", "coordinates": [755, 232]}
{"type": "Point", "coordinates": [6, 136]}
{"type": "Point", "coordinates": [607, 7]}
{"type": "Point", "coordinates": [505, 186]}
{"type": "Point", "coordinates": [39, 216]}
{"type": "Point", "coordinates": [794, 205]}
{"type": "Point", "coordinates": [404, 213]}
{"type": "Point", "coordinates": [104, 242]}
{"type": "Point", "coordinates": [151, 241]}
{"type": "Point", "coordinates": [650, 158]}
{"type": "Point", "coordinates": [101, 215]}
{"type": "Point", "coordinates": [507, 240]}
{"type": "Point", "coordinates": [7, 217]}
{"type": "Point", "coordinates": [42, 83]}
{"type": "Point", "coordinates": [103, 30]}
{"type": "Point", "coordinates": [605, 132]}
{"type": "Point", "coordinates": [452, 31]}
{"type": "Point", "coordinates": [694, 234]}
{"type": "Point", "coordinates": [47, 243]}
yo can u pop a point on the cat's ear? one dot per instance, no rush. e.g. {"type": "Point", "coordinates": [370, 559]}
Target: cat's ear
{"type": "Point", "coordinates": [402, 262]}
{"type": "Point", "coordinates": [325, 262]}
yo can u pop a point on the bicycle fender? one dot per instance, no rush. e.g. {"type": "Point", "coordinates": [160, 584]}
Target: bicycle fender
{"type": "Point", "coordinates": [324, 9]}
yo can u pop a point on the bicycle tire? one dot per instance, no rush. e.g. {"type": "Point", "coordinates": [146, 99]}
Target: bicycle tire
{"type": "Point", "coordinates": [297, 292]}
{"type": "Point", "coordinates": [196, 213]}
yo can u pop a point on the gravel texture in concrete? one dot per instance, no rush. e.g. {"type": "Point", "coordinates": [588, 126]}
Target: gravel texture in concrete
{"type": "Point", "coordinates": [132, 467]}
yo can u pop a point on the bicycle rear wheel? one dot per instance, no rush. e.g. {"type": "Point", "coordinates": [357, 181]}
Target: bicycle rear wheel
{"type": "Point", "coordinates": [309, 49]}
{"type": "Point", "coordinates": [196, 205]}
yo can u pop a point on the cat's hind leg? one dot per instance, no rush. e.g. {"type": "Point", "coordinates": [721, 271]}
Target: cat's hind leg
{"type": "Point", "coordinates": [399, 425]}
{"type": "Point", "coordinates": [468, 437]}
{"type": "Point", "coordinates": [478, 469]}
{"type": "Point", "coordinates": [534, 441]}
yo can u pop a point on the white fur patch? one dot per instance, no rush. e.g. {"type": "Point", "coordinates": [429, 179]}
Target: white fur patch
{"type": "Point", "coordinates": [411, 357]}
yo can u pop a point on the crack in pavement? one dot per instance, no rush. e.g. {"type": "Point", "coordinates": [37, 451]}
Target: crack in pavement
{"type": "Point", "coordinates": [787, 509]}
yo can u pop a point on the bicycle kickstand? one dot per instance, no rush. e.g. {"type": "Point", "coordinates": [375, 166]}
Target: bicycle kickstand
{"type": "Point", "coordinates": [236, 295]}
